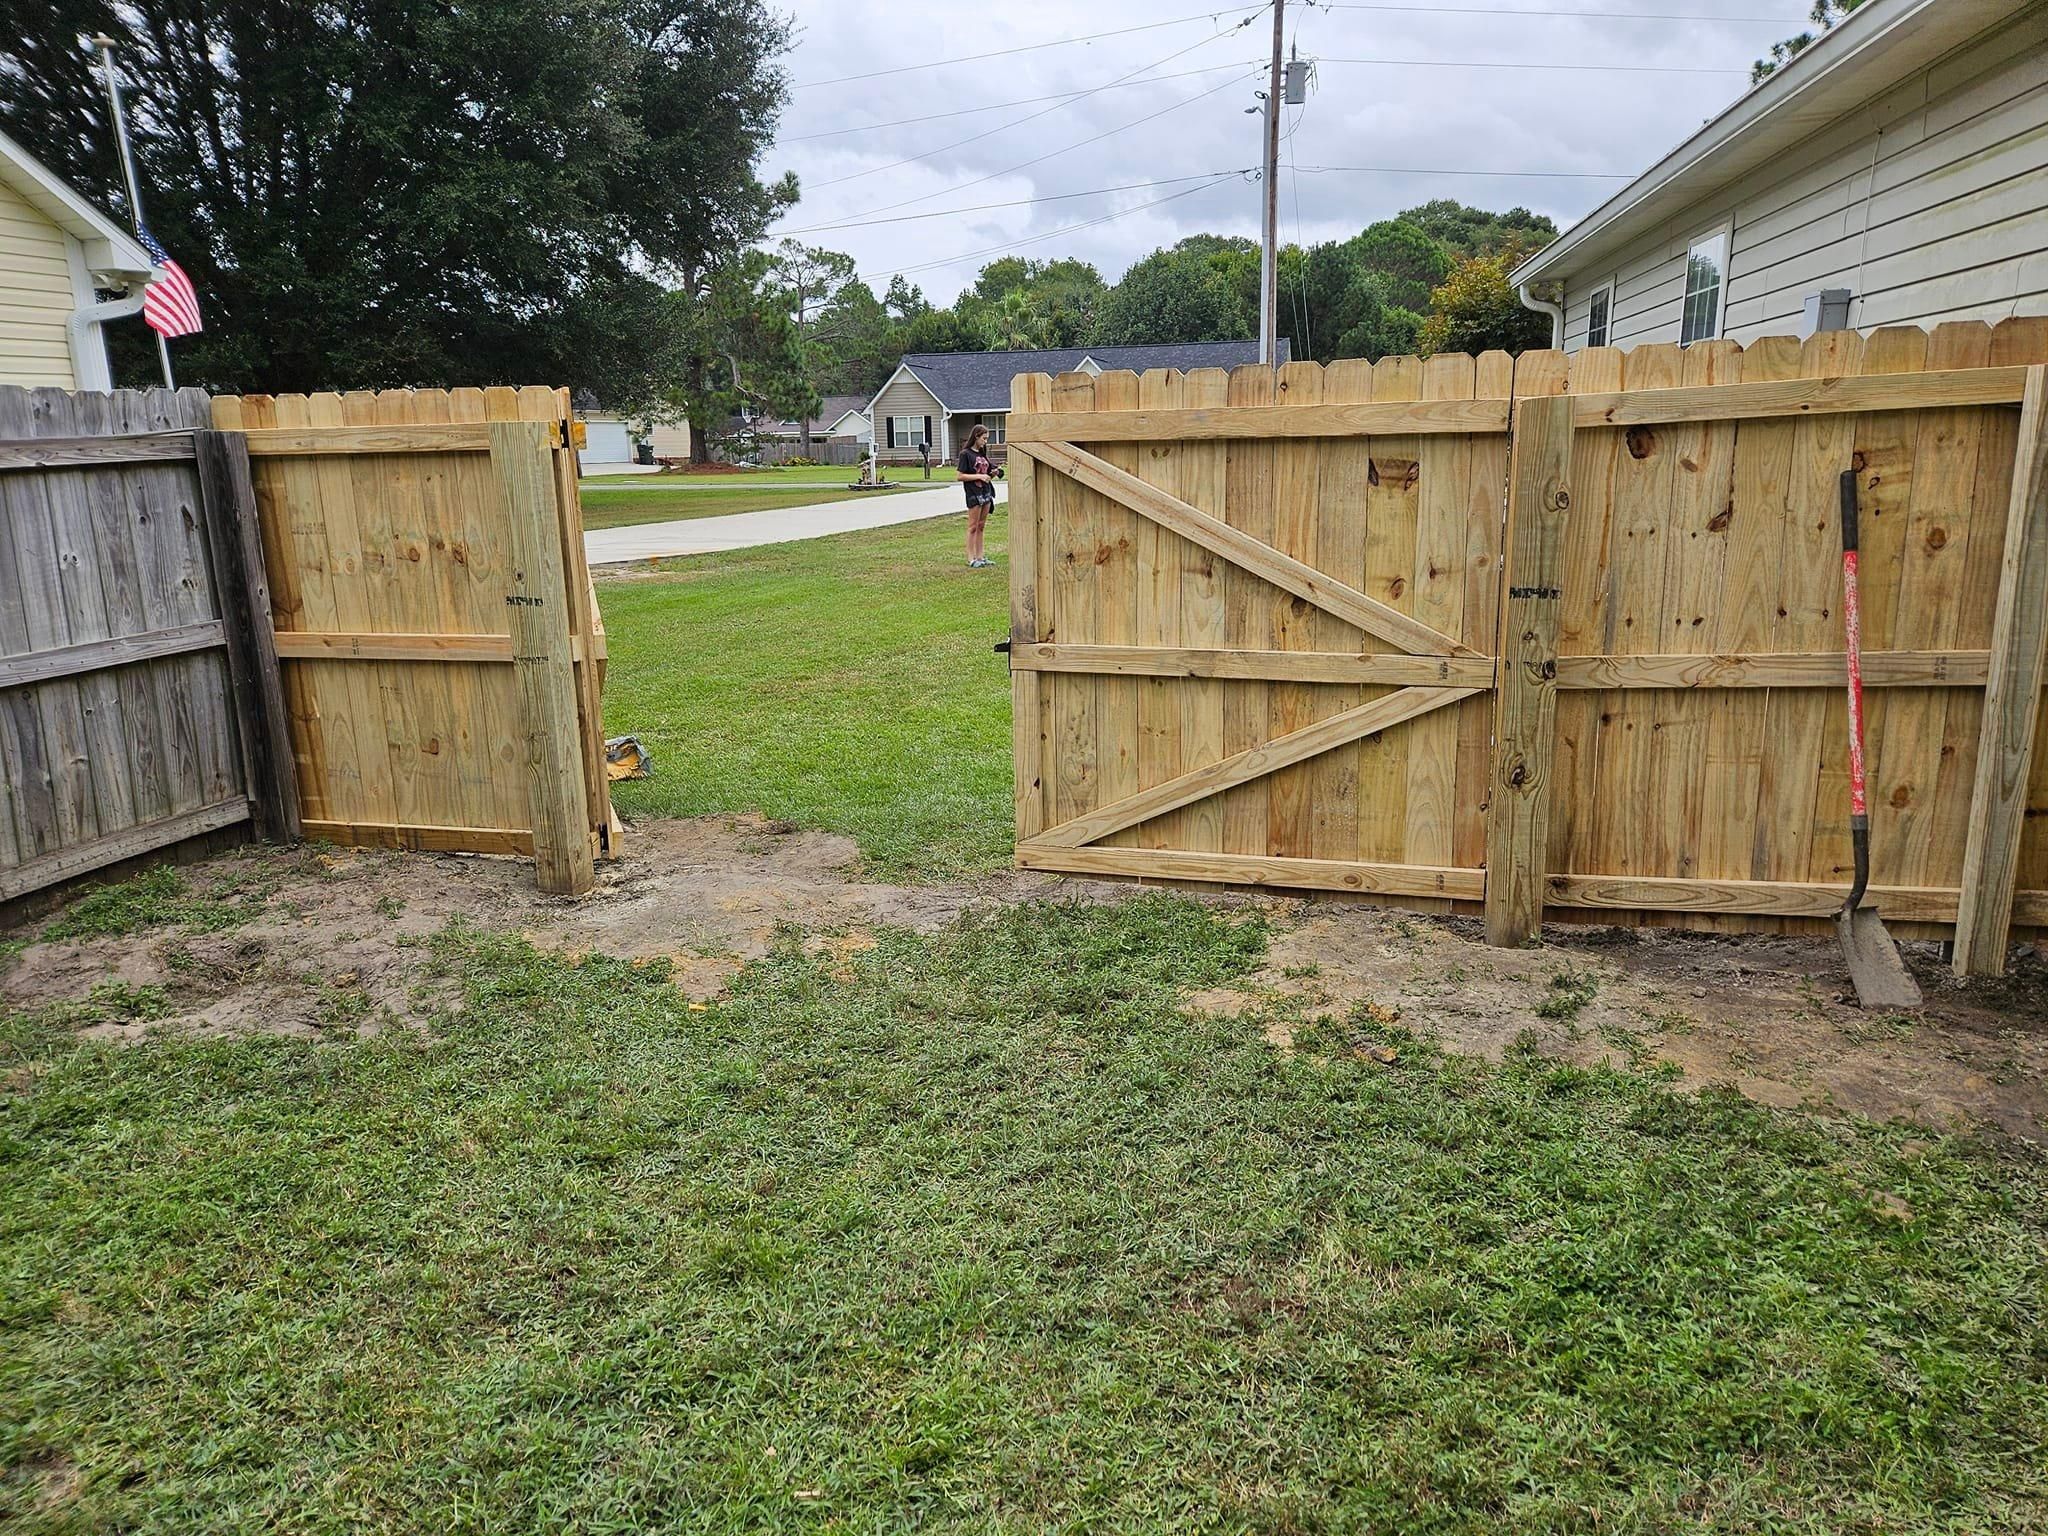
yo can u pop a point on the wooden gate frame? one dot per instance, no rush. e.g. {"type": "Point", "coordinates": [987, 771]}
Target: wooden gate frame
{"type": "Point", "coordinates": [1434, 670]}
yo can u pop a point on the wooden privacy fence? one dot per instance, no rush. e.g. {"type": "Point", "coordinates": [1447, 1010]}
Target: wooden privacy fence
{"type": "Point", "coordinates": [139, 704]}
{"type": "Point", "coordinates": [440, 642]}
{"type": "Point", "coordinates": [1547, 633]}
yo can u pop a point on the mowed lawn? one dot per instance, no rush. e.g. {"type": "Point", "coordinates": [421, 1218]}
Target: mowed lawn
{"type": "Point", "coordinates": [847, 683]}
{"type": "Point", "coordinates": [978, 1232]}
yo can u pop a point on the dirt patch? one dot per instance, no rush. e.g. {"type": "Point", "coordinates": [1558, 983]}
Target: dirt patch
{"type": "Point", "coordinates": [340, 943]}
{"type": "Point", "coordinates": [1774, 1017]}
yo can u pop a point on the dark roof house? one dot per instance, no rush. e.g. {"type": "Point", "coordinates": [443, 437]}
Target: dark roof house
{"type": "Point", "coordinates": [936, 397]}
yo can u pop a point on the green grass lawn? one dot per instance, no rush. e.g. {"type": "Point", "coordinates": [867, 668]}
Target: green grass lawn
{"type": "Point", "coordinates": [618, 508]}
{"type": "Point", "coordinates": [977, 1233]}
{"type": "Point", "coordinates": [814, 475]}
{"type": "Point", "coordinates": [845, 683]}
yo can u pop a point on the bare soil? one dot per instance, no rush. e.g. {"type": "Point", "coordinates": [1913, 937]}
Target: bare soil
{"type": "Point", "coordinates": [339, 944]}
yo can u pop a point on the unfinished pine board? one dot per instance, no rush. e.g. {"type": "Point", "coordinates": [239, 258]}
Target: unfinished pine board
{"type": "Point", "coordinates": [1290, 707]}
{"type": "Point", "coordinates": [2012, 704]}
{"type": "Point", "coordinates": [390, 557]}
{"type": "Point", "coordinates": [1436, 595]}
{"type": "Point", "coordinates": [1391, 497]}
{"type": "Point", "coordinates": [1117, 532]}
{"type": "Point", "coordinates": [1076, 545]}
{"type": "Point", "coordinates": [1248, 508]}
{"type": "Point", "coordinates": [1278, 421]}
{"type": "Point", "coordinates": [1204, 479]}
{"type": "Point", "coordinates": [1340, 515]}
{"type": "Point", "coordinates": [1525, 701]}
{"type": "Point", "coordinates": [1156, 611]}
{"type": "Point", "coordinates": [1027, 689]}
{"type": "Point", "coordinates": [1486, 502]}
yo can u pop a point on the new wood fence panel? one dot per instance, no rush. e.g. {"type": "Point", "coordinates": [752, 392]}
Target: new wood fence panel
{"type": "Point", "coordinates": [1264, 723]}
{"type": "Point", "coordinates": [124, 727]}
{"type": "Point", "coordinates": [390, 555]}
{"type": "Point", "coordinates": [1203, 595]}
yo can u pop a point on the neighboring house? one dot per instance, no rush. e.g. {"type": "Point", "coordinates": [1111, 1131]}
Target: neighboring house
{"type": "Point", "coordinates": [1895, 172]}
{"type": "Point", "coordinates": [838, 416]}
{"type": "Point", "coordinates": [938, 397]}
{"type": "Point", "coordinates": [609, 438]}
{"type": "Point", "coordinates": [56, 252]}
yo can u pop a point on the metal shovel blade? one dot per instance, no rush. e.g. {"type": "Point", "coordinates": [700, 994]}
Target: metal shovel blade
{"type": "Point", "coordinates": [1881, 977]}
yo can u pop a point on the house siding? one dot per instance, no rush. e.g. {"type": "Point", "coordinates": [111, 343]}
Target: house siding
{"type": "Point", "coordinates": [1929, 204]}
{"type": "Point", "coordinates": [904, 396]}
{"type": "Point", "coordinates": [36, 297]}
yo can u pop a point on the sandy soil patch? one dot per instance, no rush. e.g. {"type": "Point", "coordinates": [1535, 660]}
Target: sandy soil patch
{"type": "Point", "coordinates": [339, 944]}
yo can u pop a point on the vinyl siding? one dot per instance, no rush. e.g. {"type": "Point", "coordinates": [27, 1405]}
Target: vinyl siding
{"type": "Point", "coordinates": [35, 296]}
{"type": "Point", "coordinates": [1930, 204]}
{"type": "Point", "coordinates": [906, 397]}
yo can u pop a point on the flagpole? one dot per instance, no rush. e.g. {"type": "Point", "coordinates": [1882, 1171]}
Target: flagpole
{"type": "Point", "coordinates": [105, 44]}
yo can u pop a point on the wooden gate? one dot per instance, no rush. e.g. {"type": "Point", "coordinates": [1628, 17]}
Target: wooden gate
{"type": "Point", "coordinates": [435, 621]}
{"type": "Point", "coordinates": [1254, 620]}
{"type": "Point", "coordinates": [1255, 629]}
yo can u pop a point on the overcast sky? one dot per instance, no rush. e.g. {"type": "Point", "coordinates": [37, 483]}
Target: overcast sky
{"type": "Point", "coordinates": [1405, 115]}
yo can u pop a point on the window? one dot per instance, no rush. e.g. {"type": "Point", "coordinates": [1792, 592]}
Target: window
{"type": "Point", "coordinates": [908, 431]}
{"type": "Point", "coordinates": [1597, 315]}
{"type": "Point", "coordinates": [994, 425]}
{"type": "Point", "coordinates": [1706, 278]}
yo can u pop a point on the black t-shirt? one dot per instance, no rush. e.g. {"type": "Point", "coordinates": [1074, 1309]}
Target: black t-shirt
{"type": "Point", "coordinates": [972, 463]}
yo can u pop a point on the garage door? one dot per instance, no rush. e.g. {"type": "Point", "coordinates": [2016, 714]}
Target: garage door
{"type": "Point", "coordinates": [606, 443]}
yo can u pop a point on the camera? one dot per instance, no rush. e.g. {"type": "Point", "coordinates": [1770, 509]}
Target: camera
{"type": "Point", "coordinates": [1002, 471]}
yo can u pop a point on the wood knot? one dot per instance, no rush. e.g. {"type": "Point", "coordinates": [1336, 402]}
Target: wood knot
{"type": "Point", "coordinates": [1397, 586]}
{"type": "Point", "coordinates": [1642, 442]}
{"type": "Point", "coordinates": [1719, 522]}
{"type": "Point", "coordinates": [1902, 797]}
{"type": "Point", "coordinates": [1937, 539]}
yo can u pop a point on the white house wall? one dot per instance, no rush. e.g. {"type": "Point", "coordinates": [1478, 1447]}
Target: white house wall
{"type": "Point", "coordinates": [1930, 204]}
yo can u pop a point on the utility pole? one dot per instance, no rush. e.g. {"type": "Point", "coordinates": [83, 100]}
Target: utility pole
{"type": "Point", "coordinates": [1269, 247]}
{"type": "Point", "coordinates": [105, 44]}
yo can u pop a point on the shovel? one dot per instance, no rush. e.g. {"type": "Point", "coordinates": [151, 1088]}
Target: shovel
{"type": "Point", "coordinates": [1881, 978]}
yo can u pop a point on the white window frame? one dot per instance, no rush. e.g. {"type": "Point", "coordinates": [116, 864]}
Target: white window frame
{"type": "Point", "coordinates": [1605, 290]}
{"type": "Point", "coordinates": [898, 437]}
{"type": "Point", "coordinates": [1724, 232]}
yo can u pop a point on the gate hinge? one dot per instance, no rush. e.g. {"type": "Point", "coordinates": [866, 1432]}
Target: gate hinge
{"type": "Point", "coordinates": [1002, 647]}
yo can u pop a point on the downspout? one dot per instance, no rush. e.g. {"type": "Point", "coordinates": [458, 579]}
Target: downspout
{"type": "Point", "coordinates": [1545, 307]}
{"type": "Point", "coordinates": [88, 347]}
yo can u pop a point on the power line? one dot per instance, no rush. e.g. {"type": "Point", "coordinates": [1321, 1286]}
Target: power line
{"type": "Point", "coordinates": [1488, 10]}
{"type": "Point", "coordinates": [1025, 101]}
{"type": "Point", "coordinates": [1620, 69]}
{"type": "Point", "coordinates": [1051, 234]}
{"type": "Point", "coordinates": [1058, 42]}
{"type": "Point", "coordinates": [1055, 153]}
{"type": "Point", "coordinates": [1029, 117]}
{"type": "Point", "coordinates": [1419, 170]}
{"type": "Point", "coordinates": [1021, 202]}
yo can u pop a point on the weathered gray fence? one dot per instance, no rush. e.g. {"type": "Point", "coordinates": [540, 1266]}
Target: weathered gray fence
{"type": "Point", "coordinates": [139, 698]}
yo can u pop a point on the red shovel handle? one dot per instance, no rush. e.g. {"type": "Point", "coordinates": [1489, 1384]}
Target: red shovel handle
{"type": "Point", "coordinates": [1852, 624]}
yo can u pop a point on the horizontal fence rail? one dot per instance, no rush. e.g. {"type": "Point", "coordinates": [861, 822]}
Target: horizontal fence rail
{"type": "Point", "coordinates": [1547, 635]}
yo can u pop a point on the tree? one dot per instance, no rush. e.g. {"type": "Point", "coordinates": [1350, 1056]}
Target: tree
{"type": "Point", "coordinates": [1476, 310]}
{"type": "Point", "coordinates": [734, 346]}
{"type": "Point", "coordinates": [1464, 231]}
{"type": "Point", "coordinates": [1406, 256]}
{"type": "Point", "coordinates": [1826, 14]}
{"type": "Point", "coordinates": [806, 277]}
{"type": "Point", "coordinates": [373, 193]}
{"type": "Point", "coordinates": [860, 343]}
{"type": "Point", "coordinates": [1170, 296]}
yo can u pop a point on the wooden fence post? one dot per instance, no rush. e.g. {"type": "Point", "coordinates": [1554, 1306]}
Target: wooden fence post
{"type": "Point", "coordinates": [2012, 703]}
{"type": "Point", "coordinates": [1028, 392]}
{"type": "Point", "coordinates": [1525, 696]}
{"type": "Point", "coordinates": [234, 544]}
{"type": "Point", "coordinates": [522, 455]}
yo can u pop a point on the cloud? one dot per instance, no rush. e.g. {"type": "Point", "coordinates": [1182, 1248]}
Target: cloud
{"type": "Point", "coordinates": [1401, 117]}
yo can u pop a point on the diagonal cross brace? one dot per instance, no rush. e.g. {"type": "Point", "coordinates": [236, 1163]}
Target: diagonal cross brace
{"type": "Point", "coordinates": [1253, 763]}
{"type": "Point", "coordinates": [1261, 559]}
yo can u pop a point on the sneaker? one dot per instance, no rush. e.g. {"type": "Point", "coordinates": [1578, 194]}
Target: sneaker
{"type": "Point", "coordinates": [980, 565]}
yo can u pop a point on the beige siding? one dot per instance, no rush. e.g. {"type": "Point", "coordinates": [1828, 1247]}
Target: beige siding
{"type": "Point", "coordinates": [1930, 204]}
{"type": "Point", "coordinates": [35, 296]}
{"type": "Point", "coordinates": [904, 396]}
{"type": "Point", "coordinates": [670, 442]}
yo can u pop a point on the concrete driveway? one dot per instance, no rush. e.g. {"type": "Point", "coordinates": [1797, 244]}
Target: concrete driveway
{"type": "Point", "coordinates": [780, 525]}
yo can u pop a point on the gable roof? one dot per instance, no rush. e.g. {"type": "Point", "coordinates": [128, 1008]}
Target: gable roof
{"type": "Point", "coordinates": [1879, 45]}
{"type": "Point", "coordinates": [109, 249]}
{"type": "Point", "coordinates": [980, 381]}
{"type": "Point", "coordinates": [832, 410]}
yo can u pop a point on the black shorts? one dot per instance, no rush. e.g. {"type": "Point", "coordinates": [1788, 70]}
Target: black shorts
{"type": "Point", "coordinates": [980, 496]}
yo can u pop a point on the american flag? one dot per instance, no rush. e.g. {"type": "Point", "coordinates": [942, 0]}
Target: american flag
{"type": "Point", "coordinates": [169, 306]}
